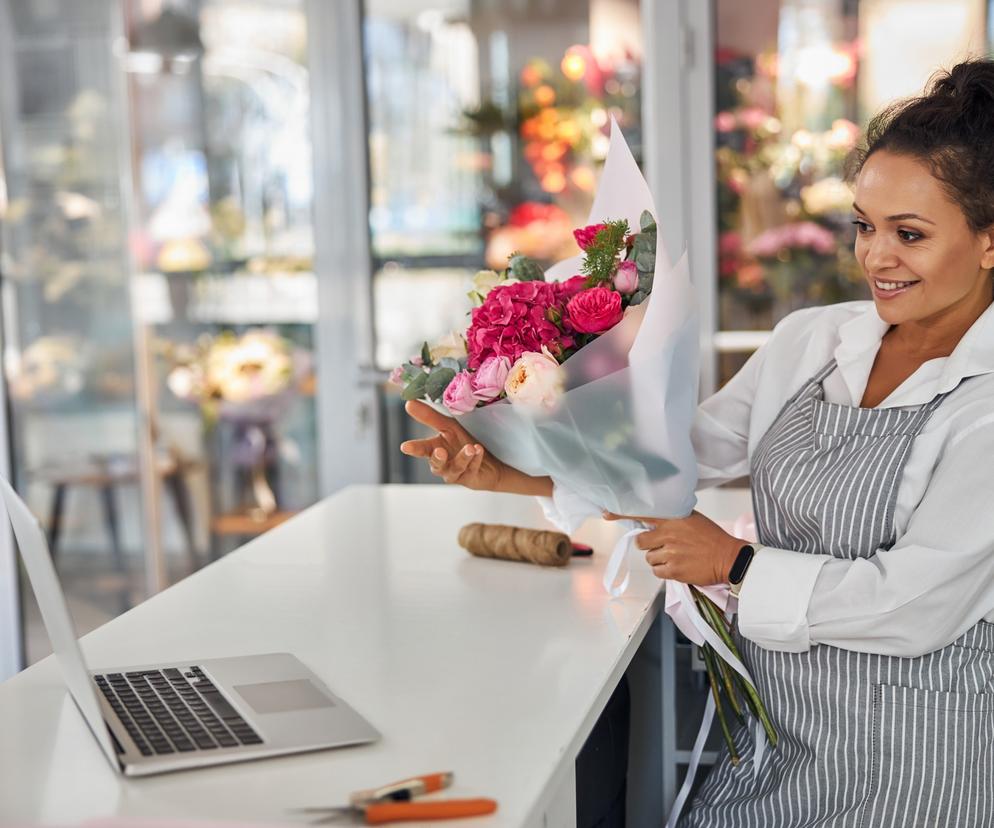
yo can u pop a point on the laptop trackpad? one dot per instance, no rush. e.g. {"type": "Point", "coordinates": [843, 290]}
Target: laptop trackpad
{"type": "Point", "coordinates": [283, 696]}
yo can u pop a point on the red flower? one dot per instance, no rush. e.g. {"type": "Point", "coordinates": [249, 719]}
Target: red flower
{"type": "Point", "coordinates": [585, 235]}
{"type": "Point", "coordinates": [595, 310]}
{"type": "Point", "coordinates": [514, 319]}
{"type": "Point", "coordinates": [572, 286]}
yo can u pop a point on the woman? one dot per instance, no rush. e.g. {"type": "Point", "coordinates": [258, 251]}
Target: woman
{"type": "Point", "coordinates": [867, 429]}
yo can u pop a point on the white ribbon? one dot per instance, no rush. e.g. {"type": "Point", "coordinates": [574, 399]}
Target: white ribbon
{"type": "Point", "coordinates": [617, 565]}
{"type": "Point", "coordinates": [680, 606]}
{"type": "Point", "coordinates": [695, 760]}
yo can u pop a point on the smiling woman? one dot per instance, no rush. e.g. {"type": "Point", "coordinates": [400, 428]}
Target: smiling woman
{"type": "Point", "coordinates": [924, 219]}
{"type": "Point", "coordinates": [866, 611]}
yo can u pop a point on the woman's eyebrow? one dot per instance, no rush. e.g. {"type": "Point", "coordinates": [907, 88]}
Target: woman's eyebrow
{"type": "Point", "coordinates": [898, 216]}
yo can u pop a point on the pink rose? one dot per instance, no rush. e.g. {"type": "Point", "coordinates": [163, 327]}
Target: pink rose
{"type": "Point", "coordinates": [458, 396]}
{"type": "Point", "coordinates": [626, 278]}
{"type": "Point", "coordinates": [488, 381]}
{"type": "Point", "coordinates": [586, 235]}
{"type": "Point", "coordinates": [595, 310]}
{"type": "Point", "coordinates": [397, 375]}
{"type": "Point", "coordinates": [514, 319]}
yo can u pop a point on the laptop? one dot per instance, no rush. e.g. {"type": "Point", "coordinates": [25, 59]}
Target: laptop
{"type": "Point", "coordinates": [155, 718]}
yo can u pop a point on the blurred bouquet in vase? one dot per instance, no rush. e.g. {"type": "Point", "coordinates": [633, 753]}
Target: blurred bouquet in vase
{"type": "Point", "coordinates": [587, 373]}
{"type": "Point", "coordinates": [250, 381]}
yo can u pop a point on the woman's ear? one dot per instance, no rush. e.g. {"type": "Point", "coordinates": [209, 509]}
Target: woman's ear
{"type": "Point", "coordinates": [987, 254]}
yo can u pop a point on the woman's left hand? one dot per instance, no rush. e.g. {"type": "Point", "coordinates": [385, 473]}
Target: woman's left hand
{"type": "Point", "coordinates": [694, 549]}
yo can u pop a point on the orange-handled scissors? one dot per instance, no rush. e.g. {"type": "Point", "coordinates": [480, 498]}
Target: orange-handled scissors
{"type": "Point", "coordinates": [393, 803]}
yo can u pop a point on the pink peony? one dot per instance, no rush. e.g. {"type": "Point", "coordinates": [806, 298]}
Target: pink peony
{"type": "Point", "coordinates": [458, 396]}
{"type": "Point", "coordinates": [536, 380]}
{"type": "Point", "coordinates": [586, 235]}
{"type": "Point", "coordinates": [514, 319]}
{"type": "Point", "coordinates": [626, 278]}
{"type": "Point", "coordinates": [489, 379]}
{"type": "Point", "coordinates": [594, 310]}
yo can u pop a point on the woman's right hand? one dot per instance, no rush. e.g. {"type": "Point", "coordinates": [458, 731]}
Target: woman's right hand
{"type": "Point", "coordinates": [456, 457]}
{"type": "Point", "coordinates": [452, 453]}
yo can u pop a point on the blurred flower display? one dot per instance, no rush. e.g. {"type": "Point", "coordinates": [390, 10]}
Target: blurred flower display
{"type": "Point", "coordinates": [250, 376]}
{"type": "Point", "coordinates": [785, 240]}
{"type": "Point", "coordinates": [250, 381]}
{"type": "Point", "coordinates": [49, 370]}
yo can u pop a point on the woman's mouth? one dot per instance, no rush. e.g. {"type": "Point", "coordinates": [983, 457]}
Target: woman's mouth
{"type": "Point", "coordinates": [888, 290]}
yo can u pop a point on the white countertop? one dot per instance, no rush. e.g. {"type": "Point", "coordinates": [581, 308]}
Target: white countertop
{"type": "Point", "coordinates": [494, 670]}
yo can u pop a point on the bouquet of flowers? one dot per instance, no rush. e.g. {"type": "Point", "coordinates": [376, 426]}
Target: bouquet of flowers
{"type": "Point", "coordinates": [587, 372]}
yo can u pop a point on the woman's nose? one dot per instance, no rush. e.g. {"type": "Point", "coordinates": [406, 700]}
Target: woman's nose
{"type": "Point", "coordinates": [880, 256]}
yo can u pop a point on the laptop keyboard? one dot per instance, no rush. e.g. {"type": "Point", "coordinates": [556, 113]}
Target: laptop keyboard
{"type": "Point", "coordinates": [174, 711]}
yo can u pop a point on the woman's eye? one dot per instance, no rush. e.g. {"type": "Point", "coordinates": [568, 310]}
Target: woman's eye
{"type": "Point", "coordinates": [908, 235]}
{"type": "Point", "coordinates": [861, 226]}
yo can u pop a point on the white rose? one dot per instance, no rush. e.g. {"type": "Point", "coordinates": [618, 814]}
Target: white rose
{"type": "Point", "coordinates": [536, 380]}
{"type": "Point", "coordinates": [451, 345]}
{"type": "Point", "coordinates": [485, 281]}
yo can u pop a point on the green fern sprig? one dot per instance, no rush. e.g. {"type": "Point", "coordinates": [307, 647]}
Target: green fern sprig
{"type": "Point", "coordinates": [602, 256]}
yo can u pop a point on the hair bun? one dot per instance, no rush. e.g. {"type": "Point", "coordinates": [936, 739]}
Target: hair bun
{"type": "Point", "coordinates": [970, 84]}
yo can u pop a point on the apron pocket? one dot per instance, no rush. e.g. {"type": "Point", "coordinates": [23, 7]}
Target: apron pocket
{"type": "Point", "coordinates": [933, 759]}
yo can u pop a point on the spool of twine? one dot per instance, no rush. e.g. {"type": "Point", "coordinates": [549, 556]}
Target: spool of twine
{"type": "Point", "coordinates": [513, 543]}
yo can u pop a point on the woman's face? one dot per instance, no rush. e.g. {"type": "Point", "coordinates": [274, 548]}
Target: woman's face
{"type": "Point", "coordinates": [918, 253]}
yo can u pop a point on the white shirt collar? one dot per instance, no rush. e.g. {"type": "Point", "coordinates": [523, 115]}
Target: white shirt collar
{"type": "Point", "coordinates": [859, 341]}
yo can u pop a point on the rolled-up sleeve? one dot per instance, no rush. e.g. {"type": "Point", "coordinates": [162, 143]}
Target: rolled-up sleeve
{"type": "Point", "coordinates": [921, 594]}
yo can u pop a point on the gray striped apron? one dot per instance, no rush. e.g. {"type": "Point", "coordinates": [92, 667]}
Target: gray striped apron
{"type": "Point", "coordinates": [865, 740]}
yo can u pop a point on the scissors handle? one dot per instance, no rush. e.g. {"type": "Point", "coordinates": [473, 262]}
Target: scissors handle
{"type": "Point", "coordinates": [384, 812]}
{"type": "Point", "coordinates": [403, 790]}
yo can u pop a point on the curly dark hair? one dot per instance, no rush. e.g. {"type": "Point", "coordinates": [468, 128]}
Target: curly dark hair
{"type": "Point", "coordinates": [951, 129]}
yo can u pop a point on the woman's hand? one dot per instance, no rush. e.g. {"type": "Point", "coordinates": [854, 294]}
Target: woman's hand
{"type": "Point", "coordinates": [456, 457]}
{"type": "Point", "coordinates": [694, 549]}
{"type": "Point", "coordinates": [452, 453]}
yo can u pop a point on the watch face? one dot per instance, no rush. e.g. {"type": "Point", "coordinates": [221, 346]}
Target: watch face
{"type": "Point", "coordinates": [742, 561]}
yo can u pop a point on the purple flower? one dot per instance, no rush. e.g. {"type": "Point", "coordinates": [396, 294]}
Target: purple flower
{"type": "Point", "coordinates": [488, 380]}
{"type": "Point", "coordinates": [458, 396]}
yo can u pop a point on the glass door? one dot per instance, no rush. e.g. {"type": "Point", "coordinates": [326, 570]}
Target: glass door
{"type": "Point", "coordinates": [164, 292]}
{"type": "Point", "coordinates": [68, 333]}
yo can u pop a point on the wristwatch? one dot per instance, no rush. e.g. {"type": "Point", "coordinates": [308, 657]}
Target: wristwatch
{"type": "Point", "coordinates": [738, 571]}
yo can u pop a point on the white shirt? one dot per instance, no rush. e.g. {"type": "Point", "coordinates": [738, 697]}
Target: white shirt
{"type": "Point", "coordinates": [937, 581]}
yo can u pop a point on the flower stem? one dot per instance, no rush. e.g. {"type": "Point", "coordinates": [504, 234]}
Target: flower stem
{"type": "Point", "coordinates": [716, 620]}
{"type": "Point", "coordinates": [710, 662]}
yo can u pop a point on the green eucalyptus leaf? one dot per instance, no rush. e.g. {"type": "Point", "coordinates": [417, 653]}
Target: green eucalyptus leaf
{"type": "Point", "coordinates": [450, 362]}
{"type": "Point", "coordinates": [646, 261]}
{"type": "Point", "coordinates": [415, 389]}
{"type": "Point", "coordinates": [645, 282]}
{"type": "Point", "coordinates": [646, 222]}
{"type": "Point", "coordinates": [637, 298]}
{"type": "Point", "coordinates": [438, 381]}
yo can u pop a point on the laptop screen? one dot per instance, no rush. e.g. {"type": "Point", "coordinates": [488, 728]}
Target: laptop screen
{"type": "Point", "coordinates": [55, 613]}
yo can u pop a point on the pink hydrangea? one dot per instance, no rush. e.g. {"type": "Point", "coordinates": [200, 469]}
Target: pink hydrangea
{"type": "Point", "coordinates": [586, 235]}
{"type": "Point", "coordinates": [514, 319]}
